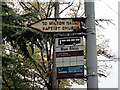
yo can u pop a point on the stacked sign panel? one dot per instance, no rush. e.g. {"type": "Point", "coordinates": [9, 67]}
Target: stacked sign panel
{"type": "Point", "coordinates": [69, 57]}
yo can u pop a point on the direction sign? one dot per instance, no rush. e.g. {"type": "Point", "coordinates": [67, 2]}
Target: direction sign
{"type": "Point", "coordinates": [58, 25]}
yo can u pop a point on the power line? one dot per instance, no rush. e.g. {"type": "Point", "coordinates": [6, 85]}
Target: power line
{"type": "Point", "coordinates": [103, 13]}
{"type": "Point", "coordinates": [110, 8]}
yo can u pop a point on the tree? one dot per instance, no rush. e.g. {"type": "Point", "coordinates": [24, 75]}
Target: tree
{"type": "Point", "coordinates": [19, 41]}
{"type": "Point", "coordinates": [33, 48]}
{"type": "Point", "coordinates": [16, 71]}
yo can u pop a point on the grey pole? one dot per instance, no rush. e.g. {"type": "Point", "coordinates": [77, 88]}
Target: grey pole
{"type": "Point", "coordinates": [56, 15]}
{"type": "Point", "coordinates": [54, 80]}
{"type": "Point", "coordinates": [91, 53]}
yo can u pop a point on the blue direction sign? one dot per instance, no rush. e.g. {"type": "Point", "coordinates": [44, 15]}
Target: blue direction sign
{"type": "Point", "coordinates": [70, 72]}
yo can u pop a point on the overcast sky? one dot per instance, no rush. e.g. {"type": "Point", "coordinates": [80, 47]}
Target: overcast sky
{"type": "Point", "coordinates": [108, 9]}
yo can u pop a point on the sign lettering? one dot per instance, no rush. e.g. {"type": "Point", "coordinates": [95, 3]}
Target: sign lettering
{"type": "Point", "coordinates": [57, 25]}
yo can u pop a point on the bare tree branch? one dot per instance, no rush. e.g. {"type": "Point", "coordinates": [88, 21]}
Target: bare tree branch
{"type": "Point", "coordinates": [66, 8]}
{"type": "Point", "coordinates": [105, 20]}
{"type": "Point", "coordinates": [24, 6]}
{"type": "Point", "coordinates": [41, 54]}
{"type": "Point", "coordinates": [37, 67]}
{"type": "Point", "coordinates": [49, 10]}
{"type": "Point", "coordinates": [38, 4]}
{"type": "Point", "coordinates": [6, 83]}
{"type": "Point", "coordinates": [78, 9]}
{"type": "Point", "coordinates": [33, 7]}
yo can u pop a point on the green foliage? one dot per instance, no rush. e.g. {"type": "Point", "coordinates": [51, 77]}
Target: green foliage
{"type": "Point", "coordinates": [15, 69]}
{"type": "Point", "coordinates": [31, 45]}
{"type": "Point", "coordinates": [27, 53]}
{"type": "Point", "coordinates": [74, 10]}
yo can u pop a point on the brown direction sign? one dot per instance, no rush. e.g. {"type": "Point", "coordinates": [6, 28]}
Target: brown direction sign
{"type": "Point", "coordinates": [58, 25]}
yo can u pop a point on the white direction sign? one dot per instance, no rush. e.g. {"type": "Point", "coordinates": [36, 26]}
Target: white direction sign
{"type": "Point", "coordinates": [58, 25]}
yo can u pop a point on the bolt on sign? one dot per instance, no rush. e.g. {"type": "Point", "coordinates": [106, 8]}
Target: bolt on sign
{"type": "Point", "coordinates": [69, 57]}
{"type": "Point", "coordinates": [58, 25]}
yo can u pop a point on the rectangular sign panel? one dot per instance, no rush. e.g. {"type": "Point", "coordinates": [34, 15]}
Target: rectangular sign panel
{"type": "Point", "coordinates": [69, 41]}
{"type": "Point", "coordinates": [69, 54]}
{"type": "Point", "coordinates": [69, 57]}
{"type": "Point", "coordinates": [69, 51]}
{"type": "Point", "coordinates": [70, 69]}
{"type": "Point", "coordinates": [70, 72]}
{"type": "Point", "coordinates": [69, 48]}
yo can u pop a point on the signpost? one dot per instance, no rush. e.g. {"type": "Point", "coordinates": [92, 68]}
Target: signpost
{"type": "Point", "coordinates": [69, 51]}
{"type": "Point", "coordinates": [69, 57]}
{"type": "Point", "coordinates": [58, 25]}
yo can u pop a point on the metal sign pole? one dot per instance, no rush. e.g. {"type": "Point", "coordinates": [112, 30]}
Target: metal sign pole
{"type": "Point", "coordinates": [91, 53]}
{"type": "Point", "coordinates": [56, 14]}
{"type": "Point", "coordinates": [54, 80]}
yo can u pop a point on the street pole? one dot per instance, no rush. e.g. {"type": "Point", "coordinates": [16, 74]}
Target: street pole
{"type": "Point", "coordinates": [56, 14]}
{"type": "Point", "coordinates": [91, 53]}
{"type": "Point", "coordinates": [54, 74]}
